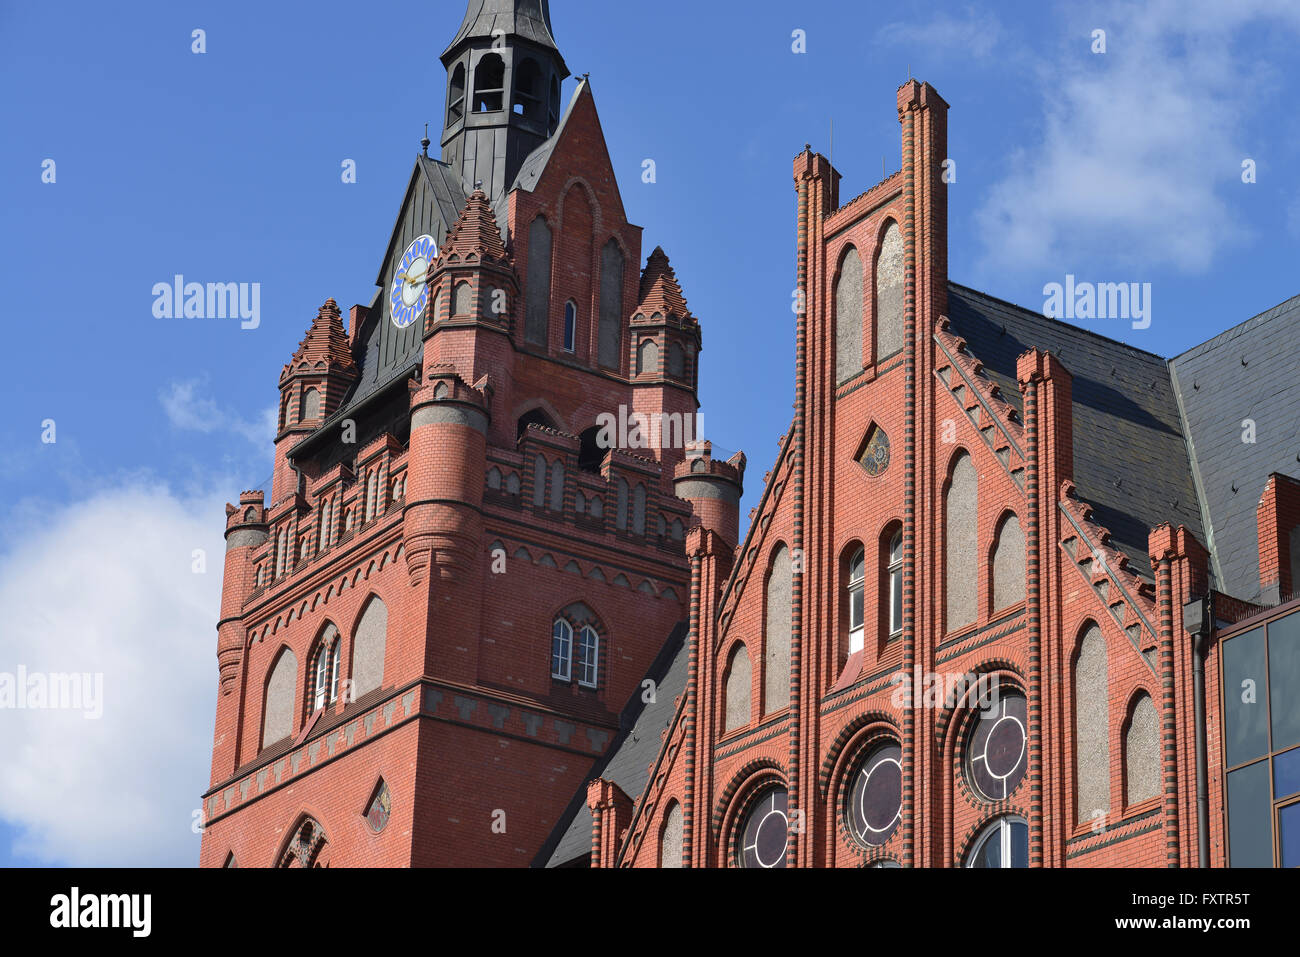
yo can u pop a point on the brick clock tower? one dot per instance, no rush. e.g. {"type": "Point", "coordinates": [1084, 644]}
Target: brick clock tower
{"type": "Point", "coordinates": [461, 577]}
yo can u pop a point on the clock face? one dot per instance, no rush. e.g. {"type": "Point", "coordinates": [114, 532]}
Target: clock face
{"type": "Point", "coordinates": [410, 292]}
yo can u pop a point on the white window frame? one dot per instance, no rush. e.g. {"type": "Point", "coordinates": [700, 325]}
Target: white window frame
{"type": "Point", "coordinates": [562, 632]}
{"type": "Point", "coordinates": [999, 830]}
{"type": "Point", "coordinates": [895, 572]}
{"type": "Point", "coordinates": [857, 584]}
{"type": "Point", "coordinates": [588, 666]}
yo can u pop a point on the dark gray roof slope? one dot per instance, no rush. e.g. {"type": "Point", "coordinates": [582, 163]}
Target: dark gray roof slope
{"type": "Point", "coordinates": [628, 760]}
{"type": "Point", "coordinates": [1130, 460]}
{"type": "Point", "coordinates": [530, 19]}
{"type": "Point", "coordinates": [384, 354]}
{"type": "Point", "coordinates": [1252, 371]}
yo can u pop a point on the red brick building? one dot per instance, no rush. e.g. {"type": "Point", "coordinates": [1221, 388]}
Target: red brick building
{"type": "Point", "coordinates": [1011, 597]}
{"type": "Point", "coordinates": [429, 630]}
{"type": "Point", "coordinates": [473, 625]}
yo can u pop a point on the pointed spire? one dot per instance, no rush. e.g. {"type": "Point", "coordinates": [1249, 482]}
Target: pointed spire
{"type": "Point", "coordinates": [325, 342]}
{"type": "Point", "coordinates": [476, 232]}
{"type": "Point", "coordinates": [660, 291]}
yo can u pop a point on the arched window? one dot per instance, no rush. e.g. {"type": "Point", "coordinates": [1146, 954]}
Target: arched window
{"type": "Point", "coordinates": [1091, 726]}
{"type": "Point", "coordinates": [539, 480]}
{"type": "Point", "coordinates": [553, 111]}
{"type": "Point", "coordinates": [311, 404]}
{"type": "Point", "coordinates": [590, 453]}
{"type": "Point", "coordinates": [1009, 563]}
{"type": "Point", "coordinates": [893, 585]}
{"type": "Point", "coordinates": [536, 416]}
{"type": "Point", "coordinates": [647, 358]}
{"type": "Point", "coordinates": [278, 707]}
{"type": "Point", "coordinates": [675, 530]}
{"type": "Point", "coordinates": [620, 516]}
{"type": "Point", "coordinates": [776, 633]}
{"type": "Point", "coordinates": [1004, 843]}
{"type": "Point", "coordinates": [536, 316]}
{"type": "Point", "coordinates": [738, 690]}
{"type": "Point", "coordinates": [494, 478]}
{"type": "Point", "coordinates": [347, 520]}
{"type": "Point", "coordinates": [588, 657]}
{"type": "Point", "coordinates": [611, 306]}
{"type": "Point", "coordinates": [325, 683]}
{"type": "Point", "coordinates": [676, 361]}
{"type": "Point", "coordinates": [961, 512]}
{"type": "Point", "coordinates": [848, 317]}
{"type": "Point", "coordinates": [855, 581]}
{"type": "Point", "coordinates": [435, 311]}
{"type": "Point", "coordinates": [368, 647]}
{"type": "Point", "coordinates": [670, 837]}
{"type": "Point", "coordinates": [889, 293]}
{"type": "Point", "coordinates": [561, 650]}
{"type": "Point", "coordinates": [372, 494]}
{"type": "Point", "coordinates": [638, 510]}
{"type": "Point", "coordinates": [1142, 751]}
{"type": "Point", "coordinates": [557, 486]}
{"type": "Point", "coordinates": [529, 90]}
{"type": "Point", "coordinates": [462, 299]}
{"type": "Point", "coordinates": [456, 95]}
{"type": "Point", "coordinates": [489, 84]}
{"type": "Point", "coordinates": [570, 326]}
{"type": "Point", "coordinates": [326, 525]}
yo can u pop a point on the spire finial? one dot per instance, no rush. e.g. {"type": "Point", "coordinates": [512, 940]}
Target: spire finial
{"type": "Point", "coordinates": [424, 143]}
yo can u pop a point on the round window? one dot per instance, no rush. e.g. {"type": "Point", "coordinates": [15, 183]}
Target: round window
{"type": "Point", "coordinates": [996, 752]}
{"type": "Point", "coordinates": [766, 830]}
{"type": "Point", "coordinates": [876, 800]}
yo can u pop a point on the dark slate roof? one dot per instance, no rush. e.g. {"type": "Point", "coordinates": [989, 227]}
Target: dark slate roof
{"type": "Point", "coordinates": [627, 762]}
{"type": "Point", "coordinates": [1252, 371]}
{"type": "Point", "coordinates": [1130, 459]}
{"type": "Point", "coordinates": [529, 19]}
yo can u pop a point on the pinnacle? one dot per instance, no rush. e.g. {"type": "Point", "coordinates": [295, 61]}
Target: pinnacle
{"type": "Point", "coordinates": [660, 291]}
{"type": "Point", "coordinates": [476, 231]}
{"type": "Point", "coordinates": [326, 341]}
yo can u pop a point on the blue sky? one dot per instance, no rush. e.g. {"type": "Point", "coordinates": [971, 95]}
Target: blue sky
{"type": "Point", "coordinates": [225, 166]}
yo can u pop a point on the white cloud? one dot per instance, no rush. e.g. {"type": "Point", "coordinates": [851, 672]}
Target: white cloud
{"type": "Point", "coordinates": [970, 34]}
{"type": "Point", "coordinates": [106, 586]}
{"type": "Point", "coordinates": [189, 409]}
{"type": "Point", "coordinates": [1141, 145]}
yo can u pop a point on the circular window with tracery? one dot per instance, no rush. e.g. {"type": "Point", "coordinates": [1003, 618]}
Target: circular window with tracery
{"type": "Point", "coordinates": [765, 832]}
{"type": "Point", "coordinates": [876, 798]}
{"type": "Point", "coordinates": [996, 755]}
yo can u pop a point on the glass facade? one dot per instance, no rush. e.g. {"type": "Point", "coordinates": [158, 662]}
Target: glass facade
{"type": "Point", "coordinates": [1261, 743]}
